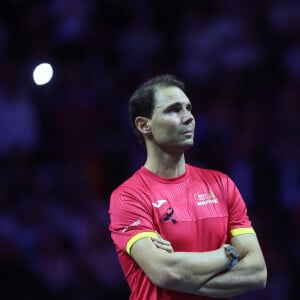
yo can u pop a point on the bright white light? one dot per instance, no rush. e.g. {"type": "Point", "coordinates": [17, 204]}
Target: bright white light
{"type": "Point", "coordinates": [42, 73]}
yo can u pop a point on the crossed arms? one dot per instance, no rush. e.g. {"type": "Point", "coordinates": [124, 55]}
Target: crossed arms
{"type": "Point", "coordinates": [203, 273]}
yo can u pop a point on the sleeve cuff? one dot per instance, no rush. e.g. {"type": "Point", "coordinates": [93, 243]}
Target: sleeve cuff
{"type": "Point", "coordinates": [239, 231]}
{"type": "Point", "coordinates": [137, 237]}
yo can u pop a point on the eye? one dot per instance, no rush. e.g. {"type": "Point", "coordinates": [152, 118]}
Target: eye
{"type": "Point", "coordinates": [189, 107]}
{"type": "Point", "coordinates": [175, 109]}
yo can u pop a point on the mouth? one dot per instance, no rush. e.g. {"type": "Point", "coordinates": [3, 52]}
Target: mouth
{"type": "Point", "coordinates": [187, 130]}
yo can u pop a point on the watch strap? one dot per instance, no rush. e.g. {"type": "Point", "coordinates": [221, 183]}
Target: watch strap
{"type": "Point", "coordinates": [233, 253]}
{"type": "Point", "coordinates": [234, 261]}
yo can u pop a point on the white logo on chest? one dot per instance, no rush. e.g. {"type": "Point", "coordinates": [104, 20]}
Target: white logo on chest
{"type": "Point", "coordinates": [159, 203]}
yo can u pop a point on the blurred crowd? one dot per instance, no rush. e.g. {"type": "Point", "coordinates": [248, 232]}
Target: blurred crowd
{"type": "Point", "coordinates": [66, 145]}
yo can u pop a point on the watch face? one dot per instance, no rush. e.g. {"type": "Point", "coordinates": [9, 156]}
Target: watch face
{"type": "Point", "coordinates": [232, 251]}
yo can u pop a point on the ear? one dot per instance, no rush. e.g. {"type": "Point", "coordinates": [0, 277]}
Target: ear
{"type": "Point", "coordinates": [143, 125]}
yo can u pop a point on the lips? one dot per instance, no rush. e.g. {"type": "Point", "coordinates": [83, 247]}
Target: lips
{"type": "Point", "coordinates": [187, 131]}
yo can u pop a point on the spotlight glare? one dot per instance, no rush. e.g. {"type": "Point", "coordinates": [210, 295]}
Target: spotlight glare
{"type": "Point", "coordinates": [42, 73]}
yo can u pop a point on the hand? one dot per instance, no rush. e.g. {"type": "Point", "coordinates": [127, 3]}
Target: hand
{"type": "Point", "coordinates": [162, 244]}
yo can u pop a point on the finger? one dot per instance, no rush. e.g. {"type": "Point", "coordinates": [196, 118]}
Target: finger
{"type": "Point", "coordinates": [167, 248]}
{"type": "Point", "coordinates": [162, 242]}
{"type": "Point", "coordinates": [158, 240]}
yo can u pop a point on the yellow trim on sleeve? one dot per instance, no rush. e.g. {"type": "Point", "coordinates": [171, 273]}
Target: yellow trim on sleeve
{"type": "Point", "coordinates": [238, 231]}
{"type": "Point", "coordinates": [137, 237]}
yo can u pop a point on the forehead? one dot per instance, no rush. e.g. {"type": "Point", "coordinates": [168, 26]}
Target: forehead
{"type": "Point", "coordinates": [169, 95]}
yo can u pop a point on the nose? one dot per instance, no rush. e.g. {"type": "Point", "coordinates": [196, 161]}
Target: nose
{"type": "Point", "coordinates": [187, 117]}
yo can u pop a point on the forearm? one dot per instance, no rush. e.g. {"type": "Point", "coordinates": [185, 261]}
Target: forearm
{"type": "Point", "coordinates": [187, 272]}
{"type": "Point", "coordinates": [244, 277]}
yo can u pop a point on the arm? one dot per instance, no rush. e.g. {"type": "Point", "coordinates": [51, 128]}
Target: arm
{"type": "Point", "coordinates": [249, 274]}
{"type": "Point", "coordinates": [180, 271]}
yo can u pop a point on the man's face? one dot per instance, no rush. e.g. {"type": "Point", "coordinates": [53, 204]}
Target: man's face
{"type": "Point", "coordinates": [172, 123]}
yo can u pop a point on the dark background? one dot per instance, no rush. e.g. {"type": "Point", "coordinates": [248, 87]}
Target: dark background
{"type": "Point", "coordinates": [66, 145]}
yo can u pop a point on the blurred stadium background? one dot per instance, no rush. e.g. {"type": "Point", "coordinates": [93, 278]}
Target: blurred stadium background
{"type": "Point", "coordinates": [66, 144]}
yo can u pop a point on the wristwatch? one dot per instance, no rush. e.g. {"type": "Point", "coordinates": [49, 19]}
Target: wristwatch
{"type": "Point", "coordinates": [233, 254]}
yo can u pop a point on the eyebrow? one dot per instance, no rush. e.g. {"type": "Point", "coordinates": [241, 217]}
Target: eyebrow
{"type": "Point", "coordinates": [173, 105]}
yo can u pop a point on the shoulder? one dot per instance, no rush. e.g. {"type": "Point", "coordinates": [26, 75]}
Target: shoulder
{"type": "Point", "coordinates": [212, 177]}
{"type": "Point", "coordinates": [134, 188]}
{"type": "Point", "coordinates": [131, 182]}
{"type": "Point", "coordinates": [207, 173]}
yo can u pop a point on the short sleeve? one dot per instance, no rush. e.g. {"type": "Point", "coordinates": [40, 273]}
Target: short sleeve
{"type": "Point", "coordinates": [130, 217]}
{"type": "Point", "coordinates": [238, 219]}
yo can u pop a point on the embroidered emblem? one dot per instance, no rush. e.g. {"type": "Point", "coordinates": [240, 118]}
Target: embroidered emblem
{"type": "Point", "coordinates": [207, 198]}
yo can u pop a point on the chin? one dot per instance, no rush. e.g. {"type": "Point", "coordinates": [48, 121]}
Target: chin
{"type": "Point", "coordinates": [187, 145]}
{"type": "Point", "coordinates": [189, 142]}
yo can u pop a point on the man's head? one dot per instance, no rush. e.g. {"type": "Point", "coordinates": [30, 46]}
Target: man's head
{"type": "Point", "coordinates": [142, 102]}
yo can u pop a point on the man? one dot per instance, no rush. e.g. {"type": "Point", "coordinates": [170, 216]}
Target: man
{"type": "Point", "coordinates": [169, 203]}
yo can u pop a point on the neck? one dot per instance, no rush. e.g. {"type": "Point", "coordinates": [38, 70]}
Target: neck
{"type": "Point", "coordinates": [165, 164]}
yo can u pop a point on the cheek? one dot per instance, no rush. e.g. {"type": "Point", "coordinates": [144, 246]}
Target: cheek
{"type": "Point", "coordinates": [165, 130]}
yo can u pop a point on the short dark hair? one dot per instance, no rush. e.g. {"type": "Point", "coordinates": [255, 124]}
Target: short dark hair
{"type": "Point", "coordinates": [142, 101]}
